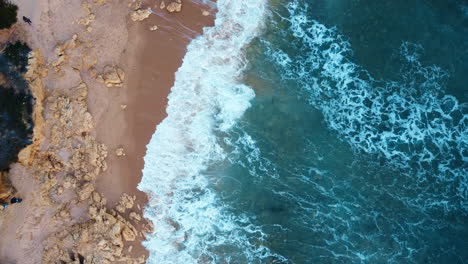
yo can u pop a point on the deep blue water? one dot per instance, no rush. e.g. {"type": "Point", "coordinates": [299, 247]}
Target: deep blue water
{"type": "Point", "coordinates": [360, 130]}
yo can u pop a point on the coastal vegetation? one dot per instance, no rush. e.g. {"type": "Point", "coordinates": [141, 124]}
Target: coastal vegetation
{"type": "Point", "coordinates": [15, 103]}
{"type": "Point", "coordinates": [8, 12]}
{"type": "Point", "coordinates": [17, 55]}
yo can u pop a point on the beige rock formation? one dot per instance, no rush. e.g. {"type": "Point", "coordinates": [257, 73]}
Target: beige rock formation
{"type": "Point", "coordinates": [89, 16]}
{"type": "Point", "coordinates": [174, 6]}
{"type": "Point", "coordinates": [162, 5]}
{"type": "Point", "coordinates": [98, 240]}
{"type": "Point", "coordinates": [112, 76]}
{"type": "Point", "coordinates": [140, 15]}
{"type": "Point", "coordinates": [126, 202]}
{"type": "Point", "coordinates": [153, 28]}
{"type": "Point", "coordinates": [61, 51]}
{"type": "Point", "coordinates": [135, 216]}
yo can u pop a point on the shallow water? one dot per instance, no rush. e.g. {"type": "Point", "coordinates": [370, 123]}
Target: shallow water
{"type": "Point", "coordinates": [353, 149]}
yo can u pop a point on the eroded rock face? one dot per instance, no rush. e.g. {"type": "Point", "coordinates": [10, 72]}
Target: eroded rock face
{"type": "Point", "coordinates": [140, 15]}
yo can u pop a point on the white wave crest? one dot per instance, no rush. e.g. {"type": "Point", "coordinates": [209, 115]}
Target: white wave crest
{"type": "Point", "coordinates": [191, 224]}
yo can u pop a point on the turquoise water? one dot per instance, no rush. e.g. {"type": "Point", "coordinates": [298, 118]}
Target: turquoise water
{"type": "Point", "coordinates": [352, 149]}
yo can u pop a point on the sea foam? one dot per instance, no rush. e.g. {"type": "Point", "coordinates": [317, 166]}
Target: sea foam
{"type": "Point", "coordinates": [411, 123]}
{"type": "Point", "coordinates": [191, 224]}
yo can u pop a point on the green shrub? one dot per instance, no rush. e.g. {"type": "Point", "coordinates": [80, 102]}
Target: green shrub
{"type": "Point", "coordinates": [7, 14]}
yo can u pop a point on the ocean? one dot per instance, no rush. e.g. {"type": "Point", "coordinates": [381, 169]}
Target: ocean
{"type": "Point", "coordinates": [316, 131]}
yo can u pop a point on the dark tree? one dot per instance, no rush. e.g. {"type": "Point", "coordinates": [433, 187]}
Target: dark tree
{"type": "Point", "coordinates": [7, 14]}
{"type": "Point", "coordinates": [17, 54]}
{"type": "Point", "coordinates": [15, 124]}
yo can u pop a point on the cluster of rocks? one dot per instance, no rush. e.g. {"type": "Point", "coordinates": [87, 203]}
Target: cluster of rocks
{"type": "Point", "coordinates": [141, 14]}
{"type": "Point", "coordinates": [174, 6]}
{"type": "Point", "coordinates": [101, 238]}
{"type": "Point", "coordinates": [65, 159]}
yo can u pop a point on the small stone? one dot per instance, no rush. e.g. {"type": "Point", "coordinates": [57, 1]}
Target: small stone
{"type": "Point", "coordinates": [120, 152]}
{"type": "Point", "coordinates": [135, 216]}
{"type": "Point", "coordinates": [205, 13]}
{"type": "Point", "coordinates": [153, 28]}
{"type": "Point", "coordinates": [123, 106]}
{"type": "Point", "coordinates": [162, 5]}
{"type": "Point", "coordinates": [128, 234]}
{"type": "Point", "coordinates": [96, 197]}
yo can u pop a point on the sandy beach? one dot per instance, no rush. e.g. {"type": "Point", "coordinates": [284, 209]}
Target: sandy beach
{"type": "Point", "coordinates": [101, 72]}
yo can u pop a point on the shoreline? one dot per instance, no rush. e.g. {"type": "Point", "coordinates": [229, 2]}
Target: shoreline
{"type": "Point", "coordinates": [87, 164]}
{"type": "Point", "coordinates": [150, 77]}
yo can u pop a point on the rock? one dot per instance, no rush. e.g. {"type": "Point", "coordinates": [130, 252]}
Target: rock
{"type": "Point", "coordinates": [96, 197]}
{"type": "Point", "coordinates": [174, 7]}
{"type": "Point", "coordinates": [126, 202]}
{"type": "Point", "coordinates": [128, 234]}
{"type": "Point", "coordinates": [205, 13]}
{"type": "Point", "coordinates": [140, 15]}
{"type": "Point", "coordinates": [112, 77]}
{"type": "Point", "coordinates": [162, 5]}
{"type": "Point", "coordinates": [86, 191]}
{"type": "Point", "coordinates": [123, 106]}
{"type": "Point", "coordinates": [120, 152]}
{"type": "Point", "coordinates": [153, 28]}
{"type": "Point", "coordinates": [135, 216]}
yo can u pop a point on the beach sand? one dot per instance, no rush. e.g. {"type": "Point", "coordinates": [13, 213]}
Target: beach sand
{"type": "Point", "coordinates": [111, 147]}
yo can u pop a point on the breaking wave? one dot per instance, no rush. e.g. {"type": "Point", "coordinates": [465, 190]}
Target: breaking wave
{"type": "Point", "coordinates": [191, 224]}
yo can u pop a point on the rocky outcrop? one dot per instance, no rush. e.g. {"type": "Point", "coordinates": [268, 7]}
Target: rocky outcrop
{"type": "Point", "coordinates": [126, 202]}
{"type": "Point", "coordinates": [98, 240]}
{"type": "Point", "coordinates": [88, 18]}
{"type": "Point", "coordinates": [174, 6]}
{"type": "Point", "coordinates": [112, 76]}
{"type": "Point", "coordinates": [61, 51]}
{"type": "Point", "coordinates": [140, 15]}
